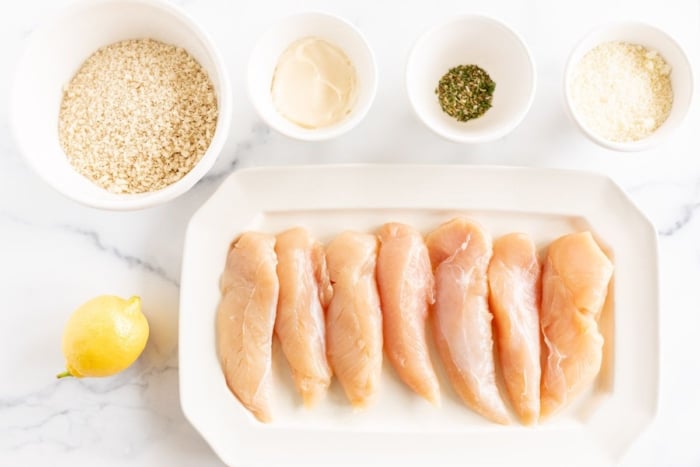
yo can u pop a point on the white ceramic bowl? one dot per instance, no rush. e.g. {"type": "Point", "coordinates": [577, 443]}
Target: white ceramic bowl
{"type": "Point", "coordinates": [651, 38]}
{"type": "Point", "coordinates": [55, 51]}
{"type": "Point", "coordinates": [274, 42]}
{"type": "Point", "coordinates": [477, 40]}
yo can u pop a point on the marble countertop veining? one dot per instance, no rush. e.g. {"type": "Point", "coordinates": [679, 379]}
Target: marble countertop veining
{"type": "Point", "coordinates": [54, 253]}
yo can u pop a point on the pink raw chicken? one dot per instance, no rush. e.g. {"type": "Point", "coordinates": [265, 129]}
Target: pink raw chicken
{"type": "Point", "coordinates": [301, 325]}
{"type": "Point", "coordinates": [574, 287]}
{"type": "Point", "coordinates": [514, 282]}
{"type": "Point", "coordinates": [406, 288]}
{"type": "Point", "coordinates": [245, 320]}
{"type": "Point", "coordinates": [354, 319]}
{"type": "Point", "coordinates": [460, 251]}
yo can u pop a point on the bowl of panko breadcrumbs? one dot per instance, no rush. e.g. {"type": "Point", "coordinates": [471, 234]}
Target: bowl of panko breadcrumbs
{"type": "Point", "coordinates": [628, 85]}
{"type": "Point", "coordinates": [121, 104]}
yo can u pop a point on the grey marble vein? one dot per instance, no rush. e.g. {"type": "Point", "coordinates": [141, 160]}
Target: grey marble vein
{"type": "Point", "coordinates": [140, 381]}
{"type": "Point", "coordinates": [259, 135]}
{"type": "Point", "coordinates": [55, 408]}
{"type": "Point", "coordinates": [130, 260]}
{"type": "Point", "coordinates": [40, 423]}
{"type": "Point", "coordinates": [25, 32]}
{"type": "Point", "coordinates": [28, 400]}
{"type": "Point", "coordinates": [94, 238]}
{"type": "Point", "coordinates": [84, 421]}
{"type": "Point", "coordinates": [686, 209]}
{"type": "Point", "coordinates": [685, 218]}
{"type": "Point", "coordinates": [213, 177]}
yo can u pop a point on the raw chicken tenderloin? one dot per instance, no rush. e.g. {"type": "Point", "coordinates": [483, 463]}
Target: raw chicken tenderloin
{"type": "Point", "coordinates": [300, 325]}
{"type": "Point", "coordinates": [514, 295]}
{"type": "Point", "coordinates": [406, 290]}
{"type": "Point", "coordinates": [245, 320]}
{"type": "Point", "coordinates": [574, 287]}
{"type": "Point", "coordinates": [354, 318]}
{"type": "Point", "coordinates": [460, 251]}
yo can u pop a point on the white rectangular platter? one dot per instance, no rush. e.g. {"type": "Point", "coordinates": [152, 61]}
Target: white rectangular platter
{"type": "Point", "coordinates": [400, 428]}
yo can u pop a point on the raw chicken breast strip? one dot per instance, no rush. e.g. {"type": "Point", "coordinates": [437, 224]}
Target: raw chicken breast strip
{"type": "Point", "coordinates": [301, 325]}
{"type": "Point", "coordinates": [406, 290]}
{"type": "Point", "coordinates": [245, 320]}
{"type": "Point", "coordinates": [514, 295]}
{"type": "Point", "coordinates": [574, 287]}
{"type": "Point", "coordinates": [354, 318]}
{"type": "Point", "coordinates": [460, 251]}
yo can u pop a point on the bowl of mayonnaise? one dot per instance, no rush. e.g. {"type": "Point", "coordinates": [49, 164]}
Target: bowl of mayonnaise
{"type": "Point", "coordinates": [312, 76]}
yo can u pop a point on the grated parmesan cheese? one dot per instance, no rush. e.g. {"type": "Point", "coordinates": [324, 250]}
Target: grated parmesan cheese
{"type": "Point", "coordinates": [622, 91]}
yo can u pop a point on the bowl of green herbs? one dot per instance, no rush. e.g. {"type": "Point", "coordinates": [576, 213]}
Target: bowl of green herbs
{"type": "Point", "coordinates": [471, 79]}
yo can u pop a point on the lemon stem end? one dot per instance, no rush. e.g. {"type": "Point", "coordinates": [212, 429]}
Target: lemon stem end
{"type": "Point", "coordinates": [64, 375]}
{"type": "Point", "coordinates": [133, 304]}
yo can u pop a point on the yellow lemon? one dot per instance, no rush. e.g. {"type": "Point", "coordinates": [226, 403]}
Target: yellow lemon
{"type": "Point", "coordinates": [104, 336]}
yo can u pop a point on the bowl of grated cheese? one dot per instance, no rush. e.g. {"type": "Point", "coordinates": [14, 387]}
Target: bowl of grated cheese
{"type": "Point", "coordinates": [121, 104]}
{"type": "Point", "coordinates": [628, 85]}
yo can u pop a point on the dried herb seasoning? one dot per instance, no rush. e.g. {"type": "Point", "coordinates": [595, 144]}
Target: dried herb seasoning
{"type": "Point", "coordinates": [465, 92]}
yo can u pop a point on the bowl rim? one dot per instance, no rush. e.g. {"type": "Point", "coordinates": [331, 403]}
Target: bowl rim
{"type": "Point", "coordinates": [320, 134]}
{"type": "Point", "coordinates": [175, 189]}
{"type": "Point", "coordinates": [623, 146]}
{"type": "Point", "coordinates": [471, 138]}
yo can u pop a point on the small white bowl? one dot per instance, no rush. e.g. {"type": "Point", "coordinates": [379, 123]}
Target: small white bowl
{"type": "Point", "coordinates": [487, 43]}
{"type": "Point", "coordinates": [53, 54]}
{"type": "Point", "coordinates": [274, 42]}
{"type": "Point", "coordinates": [652, 38]}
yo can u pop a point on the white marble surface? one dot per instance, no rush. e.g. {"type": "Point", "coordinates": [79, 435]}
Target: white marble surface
{"type": "Point", "coordinates": [54, 254]}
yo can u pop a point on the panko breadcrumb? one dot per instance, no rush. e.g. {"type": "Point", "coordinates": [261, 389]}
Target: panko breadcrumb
{"type": "Point", "coordinates": [137, 116]}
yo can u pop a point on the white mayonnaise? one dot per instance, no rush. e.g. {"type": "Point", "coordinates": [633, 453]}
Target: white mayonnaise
{"type": "Point", "coordinates": [314, 84]}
